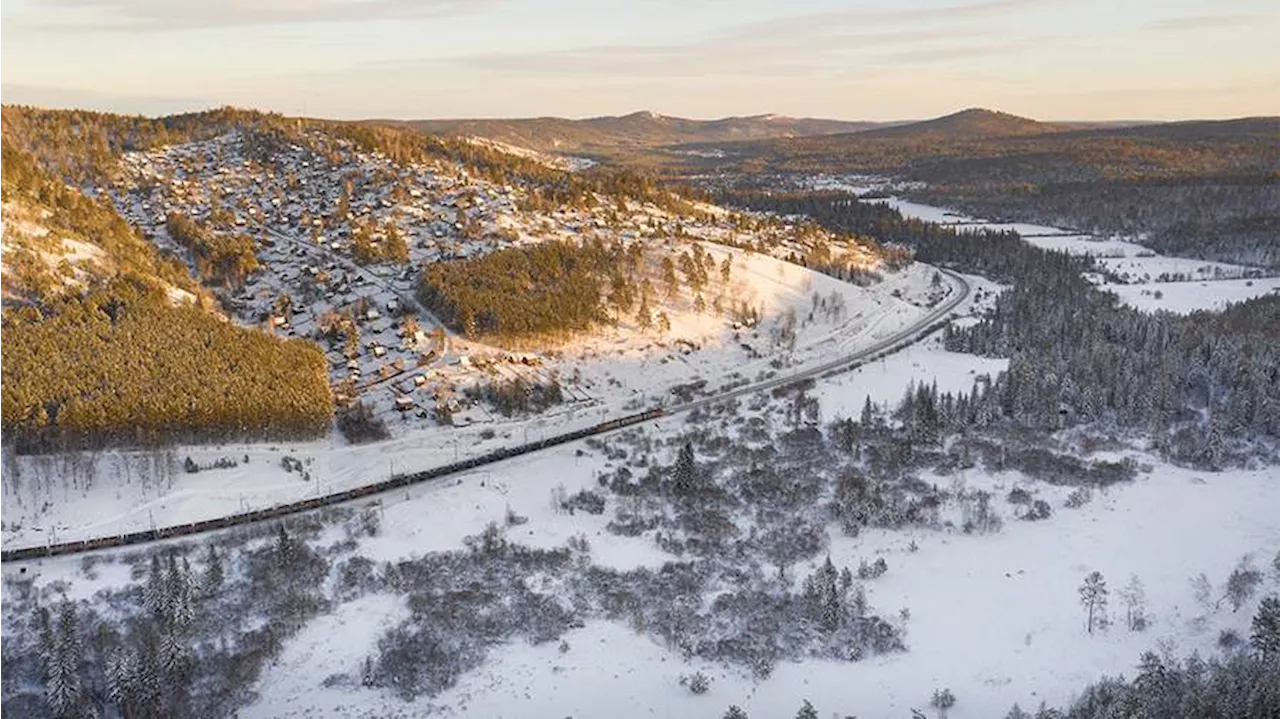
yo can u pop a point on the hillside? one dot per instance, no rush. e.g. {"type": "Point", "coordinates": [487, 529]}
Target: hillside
{"type": "Point", "coordinates": [637, 130]}
{"type": "Point", "coordinates": [322, 233]}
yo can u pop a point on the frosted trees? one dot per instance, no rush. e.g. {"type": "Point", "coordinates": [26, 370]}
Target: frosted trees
{"type": "Point", "coordinates": [807, 711]}
{"type": "Point", "coordinates": [211, 583]}
{"type": "Point", "coordinates": [60, 653]}
{"type": "Point", "coordinates": [1265, 637]}
{"type": "Point", "coordinates": [942, 700]}
{"type": "Point", "coordinates": [1093, 596]}
{"type": "Point", "coordinates": [1135, 604]}
{"type": "Point", "coordinates": [735, 712]}
{"type": "Point", "coordinates": [1243, 582]}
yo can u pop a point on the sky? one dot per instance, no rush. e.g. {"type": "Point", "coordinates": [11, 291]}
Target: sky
{"type": "Point", "coordinates": [845, 59]}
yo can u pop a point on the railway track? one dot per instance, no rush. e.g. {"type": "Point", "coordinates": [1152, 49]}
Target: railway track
{"type": "Point", "coordinates": [928, 324]}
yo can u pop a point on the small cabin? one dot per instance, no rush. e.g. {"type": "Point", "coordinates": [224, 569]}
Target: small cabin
{"type": "Point", "coordinates": [404, 404]}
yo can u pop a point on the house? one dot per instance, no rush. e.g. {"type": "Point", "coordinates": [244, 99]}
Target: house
{"type": "Point", "coordinates": [404, 403]}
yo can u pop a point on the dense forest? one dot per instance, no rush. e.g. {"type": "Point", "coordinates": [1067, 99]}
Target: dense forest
{"type": "Point", "coordinates": [1204, 385]}
{"type": "Point", "coordinates": [120, 366]}
{"type": "Point", "coordinates": [556, 288]}
{"type": "Point", "coordinates": [544, 289]}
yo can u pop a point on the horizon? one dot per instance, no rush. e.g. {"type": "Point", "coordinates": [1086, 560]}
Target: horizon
{"type": "Point", "coordinates": [1050, 60]}
{"type": "Point", "coordinates": [660, 115]}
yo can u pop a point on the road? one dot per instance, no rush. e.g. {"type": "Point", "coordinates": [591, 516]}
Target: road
{"type": "Point", "coordinates": [909, 336]}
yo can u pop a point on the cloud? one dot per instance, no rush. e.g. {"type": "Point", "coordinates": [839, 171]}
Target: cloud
{"type": "Point", "coordinates": [1205, 22]}
{"type": "Point", "coordinates": [160, 15]}
{"type": "Point", "coordinates": [816, 43]}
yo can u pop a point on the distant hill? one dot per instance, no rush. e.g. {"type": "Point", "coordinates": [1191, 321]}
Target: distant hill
{"type": "Point", "coordinates": [967, 124]}
{"type": "Point", "coordinates": [637, 130]}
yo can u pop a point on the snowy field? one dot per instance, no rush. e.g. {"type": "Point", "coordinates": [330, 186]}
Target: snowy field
{"type": "Point", "coordinates": [1187, 297]}
{"type": "Point", "coordinates": [996, 618]}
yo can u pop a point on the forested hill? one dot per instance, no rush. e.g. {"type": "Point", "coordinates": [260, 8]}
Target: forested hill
{"type": "Point", "coordinates": [106, 342]}
{"type": "Point", "coordinates": [966, 124]}
{"type": "Point", "coordinates": [639, 129]}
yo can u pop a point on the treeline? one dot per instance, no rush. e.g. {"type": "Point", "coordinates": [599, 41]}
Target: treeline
{"type": "Point", "coordinates": [1222, 218]}
{"type": "Point", "coordinates": [1203, 385]}
{"type": "Point", "coordinates": [120, 366]}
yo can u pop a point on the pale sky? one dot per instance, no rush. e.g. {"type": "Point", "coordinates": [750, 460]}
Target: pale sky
{"type": "Point", "coordinates": [850, 59]}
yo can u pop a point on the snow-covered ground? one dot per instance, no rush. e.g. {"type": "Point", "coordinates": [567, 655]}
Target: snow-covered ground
{"type": "Point", "coordinates": [1187, 297]}
{"type": "Point", "coordinates": [995, 618]}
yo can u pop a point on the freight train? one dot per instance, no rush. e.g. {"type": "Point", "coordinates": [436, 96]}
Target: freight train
{"type": "Point", "coordinates": [329, 500]}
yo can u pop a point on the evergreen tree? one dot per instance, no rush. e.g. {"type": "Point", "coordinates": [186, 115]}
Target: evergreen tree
{"type": "Point", "coordinates": [1243, 581]}
{"type": "Point", "coordinates": [1265, 637]}
{"type": "Point", "coordinates": [1093, 596]}
{"type": "Point", "coordinates": [807, 711]}
{"type": "Point", "coordinates": [122, 676]}
{"type": "Point", "coordinates": [156, 595]}
{"type": "Point", "coordinates": [734, 712]}
{"type": "Point", "coordinates": [63, 671]}
{"type": "Point", "coordinates": [1134, 597]}
{"type": "Point", "coordinates": [211, 583]}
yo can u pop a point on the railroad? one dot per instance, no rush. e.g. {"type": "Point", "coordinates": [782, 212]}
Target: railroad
{"type": "Point", "coordinates": [930, 323]}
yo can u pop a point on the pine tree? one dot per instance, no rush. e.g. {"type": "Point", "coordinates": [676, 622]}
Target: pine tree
{"type": "Point", "coordinates": [644, 315]}
{"type": "Point", "coordinates": [63, 669]}
{"type": "Point", "coordinates": [734, 712]}
{"type": "Point", "coordinates": [807, 711]}
{"type": "Point", "coordinates": [213, 577]}
{"type": "Point", "coordinates": [121, 674]}
{"type": "Point", "coordinates": [1093, 595]}
{"type": "Point", "coordinates": [1265, 637]}
{"type": "Point", "coordinates": [1243, 582]}
{"type": "Point", "coordinates": [685, 473]}
{"type": "Point", "coordinates": [156, 597]}
{"type": "Point", "coordinates": [1134, 597]}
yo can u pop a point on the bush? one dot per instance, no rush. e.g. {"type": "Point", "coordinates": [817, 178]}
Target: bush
{"type": "Point", "coordinates": [359, 425]}
{"type": "Point", "coordinates": [697, 683]}
{"type": "Point", "coordinates": [1079, 497]}
{"type": "Point", "coordinates": [586, 500]}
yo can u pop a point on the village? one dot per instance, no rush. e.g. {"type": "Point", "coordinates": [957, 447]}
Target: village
{"type": "Point", "coordinates": [340, 239]}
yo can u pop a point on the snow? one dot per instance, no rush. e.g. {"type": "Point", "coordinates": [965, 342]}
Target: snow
{"type": "Point", "coordinates": [289, 681]}
{"type": "Point", "coordinates": [995, 618]}
{"type": "Point", "coordinates": [1187, 297]}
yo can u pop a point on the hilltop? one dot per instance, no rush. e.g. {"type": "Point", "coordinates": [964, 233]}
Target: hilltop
{"type": "Point", "coordinates": [966, 124]}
